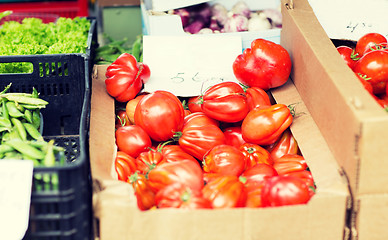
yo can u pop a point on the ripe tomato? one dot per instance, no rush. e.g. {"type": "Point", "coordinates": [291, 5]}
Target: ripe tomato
{"type": "Point", "coordinates": [367, 41]}
{"type": "Point", "coordinates": [224, 159]}
{"type": "Point", "coordinates": [131, 106]}
{"type": "Point", "coordinates": [287, 144]}
{"type": "Point", "coordinates": [306, 176]}
{"type": "Point", "coordinates": [121, 119]}
{"type": "Point", "coordinates": [173, 153]}
{"type": "Point", "coordinates": [132, 140]}
{"type": "Point", "coordinates": [348, 55]}
{"type": "Point", "coordinates": [233, 136]}
{"type": "Point", "coordinates": [226, 102]}
{"type": "Point", "coordinates": [265, 65]}
{"type": "Point", "coordinates": [264, 125]}
{"type": "Point", "coordinates": [257, 97]}
{"type": "Point", "coordinates": [284, 190]}
{"type": "Point", "coordinates": [148, 160]}
{"type": "Point", "coordinates": [186, 172]}
{"type": "Point", "coordinates": [225, 192]}
{"type": "Point", "coordinates": [194, 104]}
{"type": "Point", "coordinates": [178, 195]}
{"type": "Point", "coordinates": [199, 119]}
{"type": "Point", "coordinates": [125, 165]}
{"type": "Point", "coordinates": [290, 163]}
{"type": "Point", "coordinates": [145, 196]}
{"type": "Point", "coordinates": [374, 65]}
{"type": "Point", "coordinates": [364, 81]}
{"type": "Point", "coordinates": [254, 154]}
{"type": "Point", "coordinates": [160, 114]}
{"type": "Point", "coordinates": [198, 140]}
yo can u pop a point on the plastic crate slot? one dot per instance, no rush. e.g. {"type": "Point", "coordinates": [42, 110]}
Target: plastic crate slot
{"type": "Point", "coordinates": [16, 67]}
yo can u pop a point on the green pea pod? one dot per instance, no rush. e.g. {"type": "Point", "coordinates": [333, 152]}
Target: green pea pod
{"type": "Point", "coordinates": [27, 100]}
{"type": "Point", "coordinates": [25, 148]}
{"type": "Point", "coordinates": [5, 122]}
{"type": "Point", "coordinates": [19, 107]}
{"type": "Point", "coordinates": [13, 111]}
{"type": "Point", "coordinates": [34, 93]}
{"type": "Point", "coordinates": [13, 134]}
{"type": "Point", "coordinates": [36, 118]}
{"type": "Point", "coordinates": [49, 159]}
{"type": "Point", "coordinates": [5, 148]}
{"type": "Point", "coordinates": [28, 115]}
{"type": "Point", "coordinates": [4, 109]}
{"type": "Point", "coordinates": [32, 131]}
{"type": "Point", "coordinates": [5, 137]}
{"type": "Point", "coordinates": [42, 145]}
{"type": "Point", "coordinates": [35, 161]}
{"type": "Point", "coordinates": [32, 107]}
{"type": "Point", "coordinates": [13, 155]}
{"type": "Point", "coordinates": [20, 128]}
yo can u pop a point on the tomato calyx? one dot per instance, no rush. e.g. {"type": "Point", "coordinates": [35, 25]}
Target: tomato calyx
{"type": "Point", "coordinates": [292, 108]}
{"type": "Point", "coordinates": [186, 195]}
{"type": "Point", "coordinates": [242, 179]}
{"type": "Point", "coordinates": [354, 56]}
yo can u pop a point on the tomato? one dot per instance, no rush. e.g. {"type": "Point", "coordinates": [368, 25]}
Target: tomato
{"type": "Point", "coordinates": [265, 65]}
{"type": "Point", "coordinates": [306, 176]}
{"type": "Point", "coordinates": [173, 153]}
{"type": "Point", "coordinates": [186, 172]}
{"type": "Point", "coordinates": [125, 165]}
{"type": "Point", "coordinates": [378, 87]}
{"type": "Point", "coordinates": [149, 160]}
{"type": "Point", "coordinates": [121, 119]}
{"type": "Point", "coordinates": [257, 97]}
{"type": "Point", "coordinates": [199, 119]}
{"type": "Point", "coordinates": [145, 196]}
{"type": "Point", "coordinates": [125, 77]}
{"type": "Point", "coordinates": [290, 163]}
{"type": "Point", "coordinates": [265, 125]}
{"type": "Point", "coordinates": [132, 140]}
{"type": "Point", "coordinates": [381, 46]}
{"type": "Point", "coordinates": [287, 144]}
{"type": "Point", "coordinates": [255, 154]}
{"type": "Point", "coordinates": [284, 190]}
{"type": "Point", "coordinates": [131, 106]}
{"type": "Point", "coordinates": [226, 102]}
{"type": "Point", "coordinates": [225, 192]}
{"type": "Point", "coordinates": [194, 104]}
{"type": "Point", "coordinates": [374, 65]}
{"type": "Point", "coordinates": [198, 140]}
{"type": "Point", "coordinates": [177, 195]}
{"type": "Point", "coordinates": [367, 41]}
{"type": "Point", "coordinates": [233, 136]}
{"type": "Point", "coordinates": [255, 178]}
{"type": "Point", "coordinates": [160, 114]}
{"type": "Point", "coordinates": [224, 159]}
{"type": "Point", "coordinates": [348, 55]}
{"type": "Point", "coordinates": [365, 83]}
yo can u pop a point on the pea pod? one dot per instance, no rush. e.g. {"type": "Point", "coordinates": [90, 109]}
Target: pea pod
{"type": "Point", "coordinates": [13, 134]}
{"type": "Point", "coordinates": [42, 145]}
{"type": "Point", "coordinates": [31, 107]}
{"type": "Point", "coordinates": [20, 128]}
{"type": "Point", "coordinates": [28, 115]}
{"type": "Point", "coordinates": [32, 131]}
{"type": "Point", "coordinates": [26, 100]}
{"type": "Point", "coordinates": [49, 159]}
{"type": "Point", "coordinates": [4, 108]}
{"type": "Point", "coordinates": [13, 111]}
{"type": "Point", "coordinates": [25, 148]}
{"type": "Point", "coordinates": [5, 148]}
{"type": "Point", "coordinates": [5, 122]}
{"type": "Point", "coordinates": [36, 118]}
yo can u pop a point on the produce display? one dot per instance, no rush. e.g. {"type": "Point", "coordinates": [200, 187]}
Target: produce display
{"type": "Point", "coordinates": [369, 61]}
{"type": "Point", "coordinates": [228, 147]}
{"type": "Point", "coordinates": [206, 18]}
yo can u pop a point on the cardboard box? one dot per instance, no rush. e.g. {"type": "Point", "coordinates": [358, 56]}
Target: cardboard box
{"type": "Point", "coordinates": [156, 22]}
{"type": "Point", "coordinates": [353, 124]}
{"type": "Point", "coordinates": [116, 215]}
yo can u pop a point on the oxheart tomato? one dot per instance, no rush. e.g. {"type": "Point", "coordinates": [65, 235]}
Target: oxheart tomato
{"type": "Point", "coordinates": [173, 153]}
{"type": "Point", "coordinates": [198, 140]}
{"type": "Point", "coordinates": [132, 140]}
{"type": "Point", "coordinates": [121, 119]}
{"type": "Point", "coordinates": [265, 65]}
{"type": "Point", "coordinates": [287, 144]}
{"type": "Point", "coordinates": [224, 159]}
{"type": "Point", "coordinates": [374, 65]}
{"type": "Point", "coordinates": [225, 191]}
{"type": "Point", "coordinates": [160, 114]}
{"type": "Point", "coordinates": [284, 190]}
{"type": "Point", "coordinates": [290, 163]}
{"type": "Point", "coordinates": [125, 77]}
{"type": "Point", "coordinates": [199, 119]}
{"type": "Point", "coordinates": [194, 104]}
{"type": "Point", "coordinates": [257, 97]}
{"type": "Point", "coordinates": [265, 125]}
{"type": "Point", "coordinates": [125, 165]}
{"type": "Point", "coordinates": [233, 136]}
{"type": "Point", "coordinates": [145, 196]}
{"type": "Point", "coordinates": [306, 176]}
{"type": "Point", "coordinates": [254, 154]}
{"type": "Point", "coordinates": [226, 102]}
{"type": "Point", "coordinates": [365, 83]}
{"type": "Point", "coordinates": [367, 41]}
{"type": "Point", "coordinates": [149, 160]}
{"type": "Point", "coordinates": [186, 172]}
{"type": "Point", "coordinates": [178, 195]}
{"type": "Point", "coordinates": [348, 54]}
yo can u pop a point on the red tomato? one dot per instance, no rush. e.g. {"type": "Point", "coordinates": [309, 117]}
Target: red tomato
{"type": "Point", "coordinates": [233, 136]}
{"type": "Point", "coordinates": [348, 55]}
{"type": "Point", "coordinates": [290, 163]}
{"type": "Point", "coordinates": [381, 46]}
{"type": "Point", "coordinates": [225, 192]}
{"type": "Point", "coordinates": [194, 104]}
{"type": "Point", "coordinates": [265, 125]}
{"type": "Point", "coordinates": [374, 65]}
{"type": "Point", "coordinates": [255, 154]}
{"type": "Point", "coordinates": [145, 196]}
{"type": "Point", "coordinates": [225, 102]}
{"type": "Point", "coordinates": [224, 159]}
{"type": "Point", "coordinates": [177, 195]}
{"type": "Point", "coordinates": [160, 114]}
{"type": "Point", "coordinates": [306, 176]}
{"type": "Point", "coordinates": [284, 190]}
{"type": "Point", "coordinates": [257, 97]}
{"type": "Point", "coordinates": [122, 119]}
{"type": "Point", "coordinates": [149, 160]}
{"type": "Point", "coordinates": [125, 165]}
{"type": "Point", "coordinates": [367, 41]}
{"type": "Point", "coordinates": [285, 145]}
{"type": "Point", "coordinates": [173, 153]}
{"type": "Point", "coordinates": [365, 83]}
{"type": "Point", "coordinates": [265, 65]}
{"type": "Point", "coordinates": [198, 140]}
{"type": "Point", "coordinates": [378, 87]}
{"type": "Point", "coordinates": [132, 140]}
{"type": "Point", "coordinates": [125, 77]}
{"type": "Point", "coordinates": [199, 119]}
{"type": "Point", "coordinates": [186, 172]}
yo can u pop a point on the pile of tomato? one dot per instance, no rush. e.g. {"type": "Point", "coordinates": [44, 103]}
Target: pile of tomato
{"type": "Point", "coordinates": [369, 61]}
{"type": "Point", "coordinates": [229, 147]}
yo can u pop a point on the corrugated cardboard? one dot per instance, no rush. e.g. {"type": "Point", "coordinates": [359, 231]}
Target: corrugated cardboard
{"type": "Point", "coordinates": [156, 22]}
{"type": "Point", "coordinates": [353, 124]}
{"type": "Point", "coordinates": [117, 217]}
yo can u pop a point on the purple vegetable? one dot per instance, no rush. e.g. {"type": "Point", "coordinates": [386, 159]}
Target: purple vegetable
{"type": "Point", "coordinates": [241, 8]}
{"type": "Point", "coordinates": [236, 23]}
{"type": "Point", "coordinates": [184, 14]}
{"type": "Point", "coordinates": [194, 27]}
{"type": "Point", "coordinates": [220, 13]}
